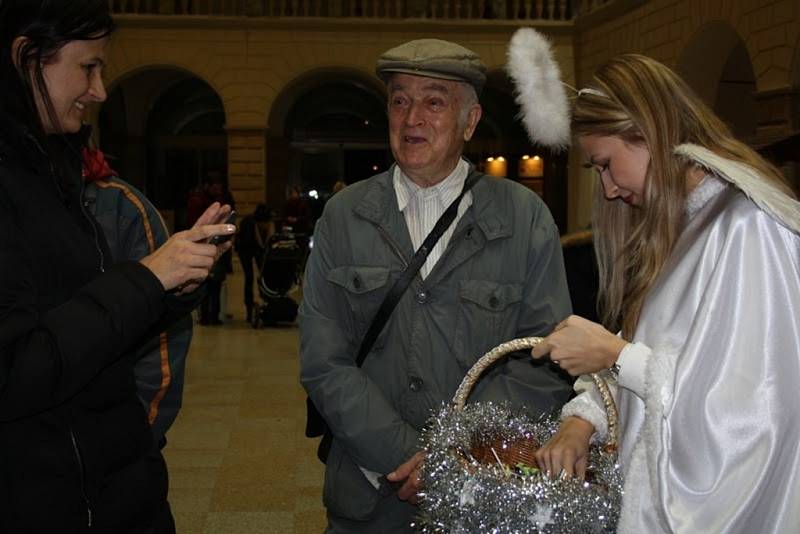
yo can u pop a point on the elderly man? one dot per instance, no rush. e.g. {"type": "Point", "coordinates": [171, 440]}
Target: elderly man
{"type": "Point", "coordinates": [497, 273]}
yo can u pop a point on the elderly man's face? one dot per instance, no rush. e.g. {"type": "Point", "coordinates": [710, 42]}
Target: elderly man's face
{"type": "Point", "coordinates": [426, 131]}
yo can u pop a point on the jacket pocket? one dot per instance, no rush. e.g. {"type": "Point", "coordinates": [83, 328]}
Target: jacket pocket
{"type": "Point", "coordinates": [488, 314]}
{"type": "Point", "coordinates": [364, 288]}
{"type": "Point", "coordinates": [346, 491]}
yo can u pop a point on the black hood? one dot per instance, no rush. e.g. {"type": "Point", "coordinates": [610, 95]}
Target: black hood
{"type": "Point", "coordinates": [17, 140]}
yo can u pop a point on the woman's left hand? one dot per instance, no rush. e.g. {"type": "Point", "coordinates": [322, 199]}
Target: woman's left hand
{"type": "Point", "coordinates": [580, 346]}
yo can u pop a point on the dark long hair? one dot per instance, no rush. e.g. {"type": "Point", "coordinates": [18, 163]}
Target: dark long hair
{"type": "Point", "coordinates": [48, 25]}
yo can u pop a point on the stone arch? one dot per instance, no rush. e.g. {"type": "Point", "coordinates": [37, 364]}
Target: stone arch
{"type": "Point", "coordinates": [703, 57]}
{"type": "Point", "coordinates": [300, 85]}
{"type": "Point", "coordinates": [716, 63]}
{"type": "Point", "coordinates": [165, 127]}
{"type": "Point", "coordinates": [129, 71]}
{"type": "Point", "coordinates": [303, 150]}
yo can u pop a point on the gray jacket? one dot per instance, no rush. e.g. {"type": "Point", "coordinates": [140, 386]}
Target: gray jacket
{"type": "Point", "coordinates": [501, 277]}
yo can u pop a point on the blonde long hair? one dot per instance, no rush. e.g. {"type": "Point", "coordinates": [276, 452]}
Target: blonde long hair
{"type": "Point", "coordinates": [643, 102]}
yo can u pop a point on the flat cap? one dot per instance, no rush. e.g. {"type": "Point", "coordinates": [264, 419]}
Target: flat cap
{"type": "Point", "coordinates": [433, 58]}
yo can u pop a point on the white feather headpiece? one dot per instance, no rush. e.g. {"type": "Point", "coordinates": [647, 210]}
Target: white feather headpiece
{"type": "Point", "coordinates": [539, 90]}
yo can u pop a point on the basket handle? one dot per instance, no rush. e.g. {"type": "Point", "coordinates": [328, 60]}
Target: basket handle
{"type": "Point", "coordinates": [527, 343]}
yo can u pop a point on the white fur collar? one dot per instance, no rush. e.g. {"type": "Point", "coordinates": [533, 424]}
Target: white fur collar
{"type": "Point", "coordinates": [705, 191]}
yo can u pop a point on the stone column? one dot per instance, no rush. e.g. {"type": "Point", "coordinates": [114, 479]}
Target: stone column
{"type": "Point", "coordinates": [247, 156]}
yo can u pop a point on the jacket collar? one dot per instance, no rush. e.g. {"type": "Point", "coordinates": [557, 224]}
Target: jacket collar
{"type": "Point", "coordinates": [379, 198]}
{"type": "Point", "coordinates": [379, 205]}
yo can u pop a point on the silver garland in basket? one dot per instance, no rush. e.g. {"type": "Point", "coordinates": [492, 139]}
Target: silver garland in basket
{"type": "Point", "coordinates": [462, 495]}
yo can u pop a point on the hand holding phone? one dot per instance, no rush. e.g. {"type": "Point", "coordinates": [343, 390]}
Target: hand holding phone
{"type": "Point", "coordinates": [219, 239]}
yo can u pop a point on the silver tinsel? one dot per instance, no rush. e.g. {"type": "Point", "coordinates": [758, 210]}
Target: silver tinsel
{"type": "Point", "coordinates": [463, 496]}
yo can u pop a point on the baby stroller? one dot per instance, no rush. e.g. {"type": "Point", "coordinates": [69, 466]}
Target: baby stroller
{"type": "Point", "coordinates": [280, 270]}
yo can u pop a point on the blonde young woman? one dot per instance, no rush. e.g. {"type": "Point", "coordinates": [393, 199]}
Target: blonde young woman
{"type": "Point", "coordinates": [698, 244]}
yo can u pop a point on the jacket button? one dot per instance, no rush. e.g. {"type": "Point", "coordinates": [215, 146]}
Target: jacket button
{"type": "Point", "coordinates": [357, 282]}
{"type": "Point", "coordinates": [422, 297]}
{"type": "Point", "coordinates": [494, 302]}
{"type": "Point", "coordinates": [415, 384]}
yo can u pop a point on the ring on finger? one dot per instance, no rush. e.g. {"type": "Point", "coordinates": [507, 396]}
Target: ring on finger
{"type": "Point", "coordinates": [563, 475]}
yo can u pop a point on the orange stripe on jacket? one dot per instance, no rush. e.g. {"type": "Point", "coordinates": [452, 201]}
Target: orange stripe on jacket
{"type": "Point", "coordinates": [166, 373]}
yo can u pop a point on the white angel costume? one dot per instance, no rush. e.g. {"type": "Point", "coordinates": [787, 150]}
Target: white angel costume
{"type": "Point", "coordinates": [709, 388]}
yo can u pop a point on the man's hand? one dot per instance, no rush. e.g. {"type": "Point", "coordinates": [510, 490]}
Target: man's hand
{"type": "Point", "coordinates": [409, 472]}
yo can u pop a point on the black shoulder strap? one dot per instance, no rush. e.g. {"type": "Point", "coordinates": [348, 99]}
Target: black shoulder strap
{"type": "Point", "coordinates": [411, 270]}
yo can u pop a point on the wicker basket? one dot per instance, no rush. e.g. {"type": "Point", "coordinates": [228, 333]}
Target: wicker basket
{"type": "Point", "coordinates": [471, 479]}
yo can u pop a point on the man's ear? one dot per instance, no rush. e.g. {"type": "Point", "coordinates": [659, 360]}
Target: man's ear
{"type": "Point", "coordinates": [473, 118]}
{"type": "Point", "coordinates": [16, 44]}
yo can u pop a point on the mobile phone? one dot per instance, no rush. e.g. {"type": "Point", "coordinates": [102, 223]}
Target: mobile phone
{"type": "Point", "coordinates": [222, 238]}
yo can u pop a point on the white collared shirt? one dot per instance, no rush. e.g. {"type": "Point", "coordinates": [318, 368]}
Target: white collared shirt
{"type": "Point", "coordinates": [422, 207]}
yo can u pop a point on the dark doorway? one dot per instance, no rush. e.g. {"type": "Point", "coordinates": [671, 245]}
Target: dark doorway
{"type": "Point", "coordinates": [327, 126]}
{"type": "Point", "coordinates": [164, 131]}
{"type": "Point", "coordinates": [338, 131]}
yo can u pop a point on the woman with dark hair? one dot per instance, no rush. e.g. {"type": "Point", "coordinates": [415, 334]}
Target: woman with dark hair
{"type": "Point", "coordinates": [76, 452]}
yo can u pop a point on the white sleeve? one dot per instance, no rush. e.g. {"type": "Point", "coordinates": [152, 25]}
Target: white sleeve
{"type": "Point", "coordinates": [588, 405]}
{"type": "Point", "coordinates": [632, 362]}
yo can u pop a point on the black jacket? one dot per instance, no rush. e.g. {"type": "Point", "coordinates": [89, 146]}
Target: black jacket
{"type": "Point", "coordinates": [75, 445]}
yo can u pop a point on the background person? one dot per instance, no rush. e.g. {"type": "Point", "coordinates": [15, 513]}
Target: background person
{"type": "Point", "coordinates": [212, 305]}
{"type": "Point", "coordinates": [77, 451]}
{"type": "Point", "coordinates": [496, 274]}
{"type": "Point", "coordinates": [251, 242]}
{"type": "Point", "coordinates": [297, 212]}
{"type": "Point", "coordinates": [699, 258]}
{"type": "Point", "coordinates": [133, 228]}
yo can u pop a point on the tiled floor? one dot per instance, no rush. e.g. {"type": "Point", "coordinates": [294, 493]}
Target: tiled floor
{"type": "Point", "coordinates": [238, 460]}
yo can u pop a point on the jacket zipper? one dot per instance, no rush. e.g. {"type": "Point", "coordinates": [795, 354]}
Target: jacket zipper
{"type": "Point", "coordinates": [93, 223]}
{"type": "Point", "coordinates": [83, 478]}
{"type": "Point", "coordinates": [74, 441]}
{"type": "Point", "coordinates": [82, 205]}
